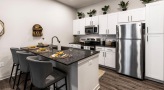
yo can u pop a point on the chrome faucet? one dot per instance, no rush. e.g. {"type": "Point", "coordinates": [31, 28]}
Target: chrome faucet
{"type": "Point", "coordinates": [53, 38]}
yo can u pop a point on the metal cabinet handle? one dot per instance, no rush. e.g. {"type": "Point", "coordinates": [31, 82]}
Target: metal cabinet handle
{"type": "Point", "coordinates": [147, 30]}
{"type": "Point", "coordinates": [128, 18]}
{"type": "Point", "coordinates": [131, 18]}
{"type": "Point", "coordinates": [103, 54]}
{"type": "Point", "coordinates": [147, 38]}
{"type": "Point", "coordinates": [108, 31]}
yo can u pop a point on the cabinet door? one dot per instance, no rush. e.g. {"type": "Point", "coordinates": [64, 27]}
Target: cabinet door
{"type": "Point", "coordinates": [95, 20]}
{"type": "Point", "coordinates": [123, 17]}
{"type": "Point", "coordinates": [75, 27]}
{"type": "Point", "coordinates": [155, 17]}
{"type": "Point", "coordinates": [88, 21]}
{"type": "Point", "coordinates": [101, 58]}
{"type": "Point", "coordinates": [154, 57]}
{"type": "Point", "coordinates": [82, 26]}
{"type": "Point", "coordinates": [112, 22]}
{"type": "Point", "coordinates": [103, 24]}
{"type": "Point", "coordinates": [138, 15]}
{"type": "Point", "coordinates": [110, 60]}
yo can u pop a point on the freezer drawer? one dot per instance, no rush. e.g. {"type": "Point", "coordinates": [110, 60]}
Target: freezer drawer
{"type": "Point", "coordinates": [130, 58]}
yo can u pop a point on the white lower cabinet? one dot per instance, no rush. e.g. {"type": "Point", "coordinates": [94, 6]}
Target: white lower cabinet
{"type": "Point", "coordinates": [101, 58]}
{"type": "Point", "coordinates": [107, 56]}
{"type": "Point", "coordinates": [154, 57]}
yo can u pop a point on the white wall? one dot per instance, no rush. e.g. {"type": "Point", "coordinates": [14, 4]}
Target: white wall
{"type": "Point", "coordinates": [114, 7]}
{"type": "Point", "coordinates": [20, 15]}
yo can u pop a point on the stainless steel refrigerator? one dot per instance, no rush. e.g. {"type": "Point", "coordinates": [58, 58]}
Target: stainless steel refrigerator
{"type": "Point", "coordinates": [130, 49]}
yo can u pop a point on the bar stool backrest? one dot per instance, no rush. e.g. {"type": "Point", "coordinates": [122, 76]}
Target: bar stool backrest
{"type": "Point", "coordinates": [39, 71]}
{"type": "Point", "coordinates": [14, 55]}
{"type": "Point", "coordinates": [22, 55]}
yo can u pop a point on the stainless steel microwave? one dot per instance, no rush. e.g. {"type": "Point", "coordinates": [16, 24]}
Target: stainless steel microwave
{"type": "Point", "coordinates": [93, 29]}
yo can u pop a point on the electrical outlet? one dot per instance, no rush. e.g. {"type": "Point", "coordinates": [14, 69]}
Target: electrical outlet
{"type": "Point", "coordinates": [1, 64]}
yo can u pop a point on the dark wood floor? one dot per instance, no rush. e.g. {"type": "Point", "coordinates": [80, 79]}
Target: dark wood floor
{"type": "Point", "coordinates": [109, 81]}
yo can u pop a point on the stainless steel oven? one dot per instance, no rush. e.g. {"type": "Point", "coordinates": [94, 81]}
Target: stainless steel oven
{"type": "Point", "coordinates": [93, 29]}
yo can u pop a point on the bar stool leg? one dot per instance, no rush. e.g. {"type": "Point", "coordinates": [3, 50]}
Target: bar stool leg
{"type": "Point", "coordinates": [66, 83]}
{"type": "Point", "coordinates": [19, 79]}
{"type": "Point", "coordinates": [31, 86]}
{"type": "Point", "coordinates": [25, 83]}
{"type": "Point", "coordinates": [15, 76]}
{"type": "Point", "coordinates": [11, 72]}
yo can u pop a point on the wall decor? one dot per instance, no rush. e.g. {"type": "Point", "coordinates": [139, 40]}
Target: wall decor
{"type": "Point", "coordinates": [37, 30]}
{"type": "Point", "coordinates": [2, 28]}
{"type": "Point", "coordinates": [91, 12]}
{"type": "Point", "coordinates": [124, 5]}
{"type": "Point", "coordinates": [80, 15]}
{"type": "Point", "coordinates": [105, 9]}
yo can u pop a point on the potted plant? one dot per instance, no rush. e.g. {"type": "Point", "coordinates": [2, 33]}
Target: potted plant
{"type": "Point", "coordinates": [91, 12]}
{"type": "Point", "coordinates": [105, 9]}
{"type": "Point", "coordinates": [146, 1]}
{"type": "Point", "coordinates": [124, 5]}
{"type": "Point", "coordinates": [80, 14]}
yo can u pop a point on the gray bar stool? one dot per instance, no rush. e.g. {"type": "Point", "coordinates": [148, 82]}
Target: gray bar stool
{"type": "Point", "coordinates": [15, 64]}
{"type": "Point", "coordinates": [44, 75]}
{"type": "Point", "coordinates": [24, 67]}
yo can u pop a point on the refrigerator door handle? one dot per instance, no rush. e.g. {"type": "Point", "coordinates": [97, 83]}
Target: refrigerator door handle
{"type": "Point", "coordinates": [117, 31]}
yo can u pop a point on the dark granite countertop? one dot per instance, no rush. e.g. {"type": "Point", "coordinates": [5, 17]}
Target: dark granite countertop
{"type": "Point", "coordinates": [106, 46]}
{"type": "Point", "coordinates": [77, 55]}
{"type": "Point", "coordinates": [83, 44]}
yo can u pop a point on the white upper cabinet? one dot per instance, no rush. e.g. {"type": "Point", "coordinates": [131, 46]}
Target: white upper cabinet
{"type": "Point", "coordinates": [123, 16]}
{"type": "Point", "coordinates": [79, 27]}
{"type": "Point", "coordinates": [112, 22]}
{"type": "Point", "coordinates": [88, 21]}
{"type": "Point", "coordinates": [155, 17]}
{"type": "Point", "coordinates": [95, 20]}
{"type": "Point", "coordinates": [103, 24]}
{"type": "Point", "coordinates": [132, 15]}
{"type": "Point", "coordinates": [92, 20]}
{"type": "Point", "coordinates": [82, 26]}
{"type": "Point", "coordinates": [75, 27]}
{"type": "Point", "coordinates": [138, 15]}
{"type": "Point", "coordinates": [154, 57]}
{"type": "Point", "coordinates": [107, 23]}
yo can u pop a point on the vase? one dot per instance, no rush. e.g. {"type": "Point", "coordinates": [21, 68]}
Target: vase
{"type": "Point", "coordinates": [79, 17]}
{"type": "Point", "coordinates": [124, 9]}
{"type": "Point", "coordinates": [90, 15]}
{"type": "Point", "coordinates": [104, 13]}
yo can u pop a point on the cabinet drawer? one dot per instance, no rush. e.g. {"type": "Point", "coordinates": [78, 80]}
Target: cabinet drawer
{"type": "Point", "coordinates": [110, 49]}
{"type": "Point", "coordinates": [100, 48]}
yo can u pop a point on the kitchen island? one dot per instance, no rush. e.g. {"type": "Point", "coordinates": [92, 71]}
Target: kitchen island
{"type": "Point", "coordinates": [81, 67]}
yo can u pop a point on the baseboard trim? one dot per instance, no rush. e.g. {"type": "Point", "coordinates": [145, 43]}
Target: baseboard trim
{"type": "Point", "coordinates": [97, 87]}
{"type": "Point", "coordinates": [156, 80]}
{"type": "Point", "coordinates": [3, 78]}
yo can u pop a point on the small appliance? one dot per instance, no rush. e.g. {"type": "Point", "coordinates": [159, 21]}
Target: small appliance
{"type": "Point", "coordinates": [93, 29]}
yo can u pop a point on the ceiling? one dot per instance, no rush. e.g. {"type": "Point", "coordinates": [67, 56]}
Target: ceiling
{"type": "Point", "coordinates": [79, 3]}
